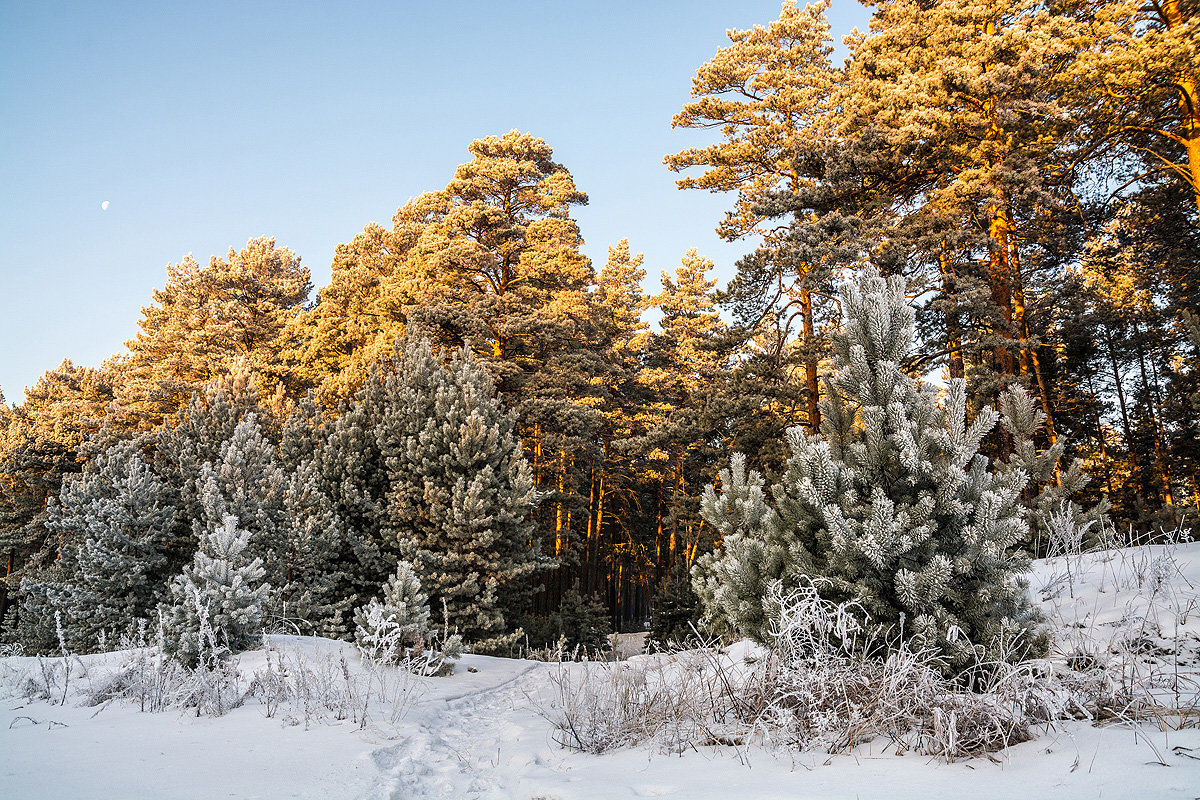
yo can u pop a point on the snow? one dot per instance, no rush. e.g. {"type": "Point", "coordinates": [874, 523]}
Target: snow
{"type": "Point", "coordinates": [478, 733]}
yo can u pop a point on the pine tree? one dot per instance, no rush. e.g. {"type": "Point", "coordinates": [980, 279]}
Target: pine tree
{"type": "Point", "coordinates": [244, 481]}
{"type": "Point", "coordinates": [333, 345]}
{"type": "Point", "coordinates": [684, 368]}
{"type": "Point", "coordinates": [461, 514]}
{"type": "Point", "coordinates": [194, 437]}
{"type": "Point", "coordinates": [1135, 85]}
{"type": "Point", "coordinates": [353, 469]}
{"type": "Point", "coordinates": [304, 556]}
{"type": "Point", "coordinates": [223, 584]}
{"type": "Point", "coordinates": [291, 522]}
{"type": "Point", "coordinates": [756, 550]}
{"type": "Point", "coordinates": [1192, 323]}
{"type": "Point", "coordinates": [891, 506]}
{"type": "Point", "coordinates": [387, 627]}
{"type": "Point", "coordinates": [348, 469]}
{"type": "Point", "coordinates": [495, 262]}
{"type": "Point", "coordinates": [956, 128]}
{"type": "Point", "coordinates": [115, 521]}
{"type": "Point", "coordinates": [42, 443]}
{"type": "Point", "coordinates": [1136, 279]}
{"type": "Point", "coordinates": [578, 622]}
{"type": "Point", "coordinates": [206, 318]}
{"type": "Point", "coordinates": [1050, 495]}
{"type": "Point", "coordinates": [675, 617]}
{"type": "Point", "coordinates": [771, 93]}
{"type": "Point", "coordinates": [622, 339]}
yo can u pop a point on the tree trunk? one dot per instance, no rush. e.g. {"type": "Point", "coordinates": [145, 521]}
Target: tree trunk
{"type": "Point", "coordinates": [1000, 232]}
{"type": "Point", "coordinates": [659, 545]}
{"type": "Point", "coordinates": [1159, 455]}
{"type": "Point", "coordinates": [1100, 436]}
{"type": "Point", "coordinates": [1112, 360]}
{"type": "Point", "coordinates": [560, 516]}
{"type": "Point", "coordinates": [1030, 362]}
{"type": "Point", "coordinates": [953, 330]}
{"type": "Point", "coordinates": [1189, 100]}
{"type": "Point", "coordinates": [810, 364]}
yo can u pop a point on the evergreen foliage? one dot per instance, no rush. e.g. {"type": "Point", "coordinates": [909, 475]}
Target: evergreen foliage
{"type": "Point", "coordinates": [395, 629]}
{"type": "Point", "coordinates": [350, 469]}
{"type": "Point", "coordinates": [675, 617]}
{"type": "Point", "coordinates": [303, 559]}
{"type": "Point", "coordinates": [460, 506]}
{"type": "Point", "coordinates": [386, 626]}
{"type": "Point", "coordinates": [579, 621]}
{"type": "Point", "coordinates": [222, 584]}
{"type": "Point", "coordinates": [245, 481]}
{"type": "Point", "coordinates": [42, 444]}
{"type": "Point", "coordinates": [117, 529]}
{"type": "Point", "coordinates": [892, 506]}
{"type": "Point", "coordinates": [682, 369]}
{"type": "Point", "coordinates": [1051, 490]}
{"type": "Point", "coordinates": [772, 94]}
{"type": "Point", "coordinates": [195, 437]}
{"type": "Point", "coordinates": [206, 318]}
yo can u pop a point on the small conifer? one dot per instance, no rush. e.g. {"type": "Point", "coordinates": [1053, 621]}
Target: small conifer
{"type": "Point", "coordinates": [891, 506]}
{"type": "Point", "coordinates": [224, 581]}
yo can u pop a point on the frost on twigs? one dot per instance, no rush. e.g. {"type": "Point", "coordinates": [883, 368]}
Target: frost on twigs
{"type": "Point", "coordinates": [813, 689]}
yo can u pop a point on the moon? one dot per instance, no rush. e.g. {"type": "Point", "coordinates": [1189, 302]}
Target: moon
{"type": "Point", "coordinates": [104, 206]}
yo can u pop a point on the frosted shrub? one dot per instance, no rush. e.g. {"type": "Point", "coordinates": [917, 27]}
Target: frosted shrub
{"type": "Point", "coordinates": [11, 650]}
{"type": "Point", "coordinates": [1065, 533]}
{"type": "Point", "coordinates": [804, 626]}
{"type": "Point", "coordinates": [311, 690]}
{"type": "Point", "coordinates": [674, 702]}
{"type": "Point", "coordinates": [149, 677]}
{"type": "Point", "coordinates": [296, 687]}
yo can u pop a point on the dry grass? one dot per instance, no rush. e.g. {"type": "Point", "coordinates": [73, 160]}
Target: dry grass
{"type": "Point", "coordinates": [816, 690]}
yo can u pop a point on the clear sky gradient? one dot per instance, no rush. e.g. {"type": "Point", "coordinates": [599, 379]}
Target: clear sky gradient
{"type": "Point", "coordinates": [207, 124]}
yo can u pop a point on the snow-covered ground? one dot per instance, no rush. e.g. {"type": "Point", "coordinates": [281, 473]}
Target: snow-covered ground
{"type": "Point", "coordinates": [479, 733]}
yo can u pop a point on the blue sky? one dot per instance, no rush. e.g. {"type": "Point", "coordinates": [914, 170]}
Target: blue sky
{"type": "Point", "coordinates": [207, 124]}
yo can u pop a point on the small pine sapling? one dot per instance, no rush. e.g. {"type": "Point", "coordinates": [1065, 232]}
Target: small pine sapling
{"type": "Point", "coordinates": [224, 583]}
{"type": "Point", "coordinates": [1048, 496]}
{"type": "Point", "coordinates": [395, 629]}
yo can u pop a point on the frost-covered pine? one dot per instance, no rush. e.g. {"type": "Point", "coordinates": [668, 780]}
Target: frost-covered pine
{"type": "Point", "coordinates": [386, 626]}
{"type": "Point", "coordinates": [292, 527]}
{"type": "Point", "coordinates": [113, 565]}
{"type": "Point", "coordinates": [122, 560]}
{"type": "Point", "coordinates": [227, 583]}
{"type": "Point", "coordinates": [461, 495]}
{"type": "Point", "coordinates": [304, 555]}
{"type": "Point", "coordinates": [194, 437]}
{"type": "Point", "coordinates": [244, 480]}
{"type": "Point", "coordinates": [349, 468]}
{"type": "Point", "coordinates": [395, 628]}
{"type": "Point", "coordinates": [892, 506]}
{"type": "Point", "coordinates": [733, 582]}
